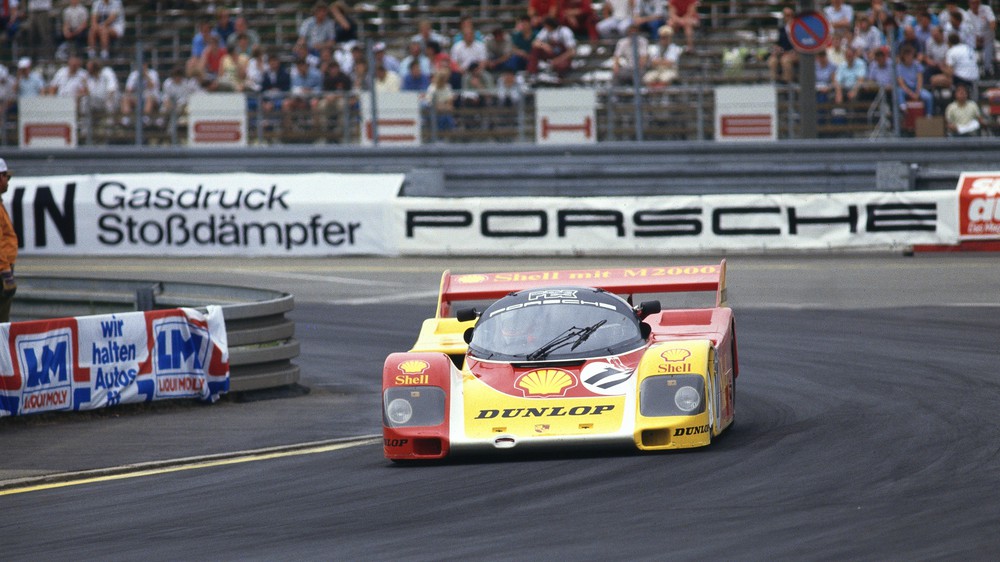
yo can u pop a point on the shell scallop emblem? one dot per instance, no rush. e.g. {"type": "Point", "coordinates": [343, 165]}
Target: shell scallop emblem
{"type": "Point", "coordinates": [472, 279]}
{"type": "Point", "coordinates": [675, 355]}
{"type": "Point", "coordinates": [546, 382]}
{"type": "Point", "coordinates": [414, 367]}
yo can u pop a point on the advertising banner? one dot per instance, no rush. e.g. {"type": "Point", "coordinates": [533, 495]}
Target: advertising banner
{"type": "Point", "coordinates": [692, 224]}
{"type": "Point", "coordinates": [746, 113]}
{"type": "Point", "coordinates": [205, 214]}
{"type": "Point", "coordinates": [47, 122]}
{"type": "Point", "coordinates": [92, 362]}
{"type": "Point", "coordinates": [979, 206]}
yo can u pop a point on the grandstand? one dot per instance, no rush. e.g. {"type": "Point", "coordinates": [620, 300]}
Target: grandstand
{"type": "Point", "coordinates": [746, 28]}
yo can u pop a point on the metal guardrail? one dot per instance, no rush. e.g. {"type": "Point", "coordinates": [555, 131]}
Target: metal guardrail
{"type": "Point", "coordinates": [261, 339]}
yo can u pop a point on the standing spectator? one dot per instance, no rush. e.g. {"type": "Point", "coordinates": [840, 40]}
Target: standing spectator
{"type": "Point", "coordinates": [150, 94]}
{"type": "Point", "coordinates": [850, 76]}
{"type": "Point", "coordinates": [29, 82]}
{"type": "Point", "coordinates": [783, 53]}
{"type": "Point", "coordinates": [224, 26]}
{"type": "Point", "coordinates": [910, 81]}
{"type": "Point", "coordinates": [664, 56]}
{"type": "Point", "coordinates": [317, 30]}
{"type": "Point", "coordinates": [344, 25]}
{"type": "Point", "coordinates": [651, 14]}
{"type": "Point", "coordinates": [9, 22]}
{"type": "Point", "coordinates": [75, 21]}
{"type": "Point", "coordinates": [415, 80]}
{"type": "Point", "coordinates": [40, 26]}
{"type": "Point", "coordinates": [468, 50]}
{"type": "Point", "coordinates": [538, 10]}
{"type": "Point", "coordinates": [426, 34]}
{"type": "Point", "coordinates": [984, 24]}
{"type": "Point", "coordinates": [618, 15]}
{"type": "Point", "coordinates": [70, 81]}
{"type": "Point", "coordinates": [102, 87]}
{"type": "Point", "coordinates": [623, 63]}
{"type": "Point", "coordinates": [8, 250]}
{"type": "Point", "coordinates": [962, 116]}
{"type": "Point", "coordinates": [107, 24]}
{"type": "Point", "coordinates": [554, 43]}
{"type": "Point", "coordinates": [580, 18]}
{"type": "Point", "coordinates": [684, 15]}
{"type": "Point", "coordinates": [958, 23]}
{"type": "Point", "coordinates": [960, 62]}
{"type": "Point", "coordinates": [415, 53]}
{"type": "Point", "coordinates": [241, 27]}
{"type": "Point", "coordinates": [840, 15]}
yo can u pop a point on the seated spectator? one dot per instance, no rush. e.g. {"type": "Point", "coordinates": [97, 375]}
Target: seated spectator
{"type": "Point", "coordinates": [684, 15]}
{"type": "Point", "coordinates": [935, 52]}
{"type": "Point", "coordinates": [200, 40]}
{"type": "Point", "coordinates": [69, 81]}
{"type": "Point", "coordinates": [500, 52]}
{"type": "Point", "coordinates": [241, 27]}
{"type": "Point", "coordinates": [554, 43]}
{"type": "Point", "coordinates": [102, 87]}
{"type": "Point", "coordinates": [415, 53]}
{"type": "Point", "coordinates": [511, 89]}
{"type": "Point", "coordinates": [150, 94]}
{"type": "Point", "coordinates": [361, 80]}
{"type": "Point", "coordinates": [960, 62]}
{"type": "Point", "coordinates": [984, 25]}
{"type": "Point", "coordinates": [467, 51]}
{"type": "Point", "coordinates": [538, 10]}
{"type": "Point", "coordinates": [386, 81]}
{"type": "Point", "coordinates": [850, 76]}
{"type": "Point", "coordinates": [826, 75]}
{"type": "Point", "coordinates": [909, 39]}
{"type": "Point", "coordinates": [107, 24]}
{"type": "Point", "coordinates": [336, 87]}
{"type": "Point", "coordinates": [426, 34]}
{"type": "Point", "coordinates": [522, 38]}
{"type": "Point", "coordinates": [651, 15]}
{"type": "Point", "coordinates": [880, 72]}
{"type": "Point", "coordinates": [255, 70]}
{"type": "Point", "coordinates": [441, 97]}
{"type": "Point", "coordinates": [211, 59]}
{"type": "Point", "coordinates": [241, 46]}
{"type": "Point", "coordinates": [878, 13]}
{"type": "Point", "coordinates": [910, 81]}
{"type": "Point", "coordinates": [415, 80]}
{"type": "Point", "coordinates": [275, 84]}
{"type": "Point", "coordinates": [29, 81]}
{"type": "Point", "coordinates": [232, 74]}
{"type": "Point", "coordinates": [477, 85]}
{"type": "Point", "coordinates": [867, 39]}
{"type": "Point", "coordinates": [306, 82]}
{"type": "Point", "coordinates": [579, 16]}
{"type": "Point", "coordinates": [176, 93]}
{"type": "Point", "coordinates": [383, 58]}
{"type": "Point", "coordinates": [623, 63]}
{"type": "Point", "coordinates": [925, 24]}
{"type": "Point", "coordinates": [664, 57]}
{"type": "Point", "coordinates": [618, 15]}
{"type": "Point", "coordinates": [840, 15]}
{"type": "Point", "coordinates": [224, 26]}
{"type": "Point", "coordinates": [344, 25]}
{"type": "Point", "coordinates": [963, 117]}
{"type": "Point", "coordinates": [466, 25]}
{"type": "Point", "coordinates": [75, 25]}
{"type": "Point", "coordinates": [783, 53]}
{"type": "Point", "coordinates": [317, 30]}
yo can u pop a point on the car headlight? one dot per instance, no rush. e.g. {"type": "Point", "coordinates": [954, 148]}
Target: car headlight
{"type": "Point", "coordinates": [687, 398]}
{"type": "Point", "coordinates": [399, 411]}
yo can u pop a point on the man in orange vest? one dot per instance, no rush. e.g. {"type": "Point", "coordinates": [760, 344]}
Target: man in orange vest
{"type": "Point", "coordinates": [8, 250]}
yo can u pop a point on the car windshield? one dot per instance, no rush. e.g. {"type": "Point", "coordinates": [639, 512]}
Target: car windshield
{"type": "Point", "coordinates": [555, 324]}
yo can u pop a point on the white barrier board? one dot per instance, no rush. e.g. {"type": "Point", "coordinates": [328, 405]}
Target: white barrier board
{"type": "Point", "coordinates": [398, 119]}
{"type": "Point", "coordinates": [47, 122]}
{"type": "Point", "coordinates": [566, 116]}
{"type": "Point", "coordinates": [746, 113]}
{"type": "Point", "coordinates": [217, 120]}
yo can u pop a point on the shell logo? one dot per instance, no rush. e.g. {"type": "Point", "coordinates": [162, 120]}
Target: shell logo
{"type": "Point", "coordinates": [672, 355]}
{"type": "Point", "coordinates": [472, 279]}
{"type": "Point", "coordinates": [546, 382]}
{"type": "Point", "coordinates": [414, 367]}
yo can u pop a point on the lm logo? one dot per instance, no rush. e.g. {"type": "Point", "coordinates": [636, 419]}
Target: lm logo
{"type": "Point", "coordinates": [181, 348]}
{"type": "Point", "coordinates": [45, 361]}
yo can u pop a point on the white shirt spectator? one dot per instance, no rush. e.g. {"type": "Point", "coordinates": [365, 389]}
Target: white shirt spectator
{"type": "Point", "coordinates": [75, 16]}
{"type": "Point", "coordinates": [69, 84]}
{"type": "Point", "coordinates": [981, 21]}
{"type": "Point", "coordinates": [464, 54]}
{"type": "Point", "coordinates": [152, 86]}
{"type": "Point", "coordinates": [102, 90]}
{"type": "Point", "coordinates": [561, 38]}
{"type": "Point", "coordinates": [962, 59]}
{"type": "Point", "coordinates": [103, 9]}
{"type": "Point", "coordinates": [844, 15]}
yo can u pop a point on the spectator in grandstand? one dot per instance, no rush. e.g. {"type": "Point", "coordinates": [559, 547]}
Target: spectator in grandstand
{"type": "Point", "coordinates": [386, 81]}
{"type": "Point", "coordinates": [684, 15]}
{"type": "Point", "coordinates": [959, 24]}
{"type": "Point", "coordinates": [902, 18]}
{"type": "Point", "coordinates": [70, 80]}
{"type": "Point", "coordinates": [317, 30]}
{"type": "Point", "coordinates": [500, 52]}
{"type": "Point", "coordinates": [511, 89]}
{"type": "Point", "coordinates": [210, 63]}
{"type": "Point", "coordinates": [521, 38]}
{"type": "Point", "coordinates": [241, 46]}
{"type": "Point", "coordinates": [39, 26]}
{"type": "Point", "coordinates": [538, 10]}
{"type": "Point", "coordinates": [554, 43]}
{"type": "Point", "coordinates": [241, 27]}
{"type": "Point", "coordinates": [826, 74]}
{"type": "Point", "coordinates": [102, 87]}
{"type": "Point", "coordinates": [75, 21]}
{"type": "Point", "coordinates": [960, 62]}
{"type": "Point", "coordinates": [867, 39]}
{"type": "Point", "coordinates": [336, 87]}
{"type": "Point", "coordinates": [232, 73]}
{"type": "Point", "coordinates": [415, 80]}
{"type": "Point", "coordinates": [200, 39]}
{"type": "Point", "coordinates": [783, 54]}
{"type": "Point", "coordinates": [909, 37]}
{"type": "Point", "coordinates": [150, 94]}
{"type": "Point", "coordinates": [415, 53]}
{"type": "Point", "coordinates": [910, 81]}
{"type": "Point", "coordinates": [426, 34]}
{"type": "Point", "coordinates": [466, 24]}
{"type": "Point", "coordinates": [300, 51]}
{"type": "Point", "coordinates": [384, 58]}
{"type": "Point", "coordinates": [840, 15]}
{"type": "Point", "coordinates": [850, 76]}
{"type": "Point", "coordinates": [29, 81]}
{"type": "Point", "coordinates": [477, 86]}
{"type": "Point", "coordinates": [8, 91]}
{"type": "Point", "coordinates": [441, 97]}
{"type": "Point", "coordinates": [361, 80]}
{"type": "Point", "coordinates": [877, 14]}
{"type": "Point", "coordinates": [664, 57]}
{"type": "Point", "coordinates": [623, 63]}
{"type": "Point", "coordinates": [963, 117]}
{"type": "Point", "coordinates": [617, 15]}
{"type": "Point", "coordinates": [651, 15]}
{"type": "Point", "coordinates": [344, 25]}
{"type": "Point", "coordinates": [935, 51]}
{"type": "Point", "coordinates": [224, 25]}
{"type": "Point", "coordinates": [579, 16]}
{"type": "Point", "coordinates": [256, 67]}
{"type": "Point", "coordinates": [306, 83]}
{"type": "Point", "coordinates": [467, 50]}
{"type": "Point", "coordinates": [107, 24]}
{"type": "Point", "coordinates": [880, 72]}
{"type": "Point", "coordinates": [924, 27]}
{"type": "Point", "coordinates": [176, 93]}
{"type": "Point", "coordinates": [838, 47]}
{"type": "Point", "coordinates": [984, 24]}
{"type": "Point", "coordinates": [275, 83]}
{"type": "Point", "coordinates": [10, 23]}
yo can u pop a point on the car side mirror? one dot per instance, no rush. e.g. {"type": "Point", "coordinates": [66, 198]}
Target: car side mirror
{"type": "Point", "coordinates": [466, 314]}
{"type": "Point", "coordinates": [648, 307]}
{"type": "Point", "coordinates": [467, 336]}
{"type": "Point", "coordinates": [645, 330]}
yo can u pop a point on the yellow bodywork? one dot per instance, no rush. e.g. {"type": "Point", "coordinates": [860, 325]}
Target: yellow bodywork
{"type": "Point", "coordinates": [683, 357]}
{"type": "Point", "coordinates": [444, 335]}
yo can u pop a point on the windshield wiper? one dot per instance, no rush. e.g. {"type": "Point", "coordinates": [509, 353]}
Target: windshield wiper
{"type": "Point", "coordinates": [573, 334]}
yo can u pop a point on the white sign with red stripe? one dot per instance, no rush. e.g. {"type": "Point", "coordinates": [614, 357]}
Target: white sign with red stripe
{"type": "Point", "coordinates": [398, 119]}
{"type": "Point", "coordinates": [746, 113]}
{"type": "Point", "coordinates": [565, 116]}
{"type": "Point", "coordinates": [979, 206]}
{"type": "Point", "coordinates": [217, 120]}
{"type": "Point", "coordinates": [47, 122]}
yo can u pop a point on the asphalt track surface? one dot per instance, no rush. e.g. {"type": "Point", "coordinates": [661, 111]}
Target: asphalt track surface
{"type": "Point", "coordinates": [866, 430]}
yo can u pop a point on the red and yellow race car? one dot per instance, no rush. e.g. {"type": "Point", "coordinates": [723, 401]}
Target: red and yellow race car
{"type": "Point", "coordinates": [564, 358]}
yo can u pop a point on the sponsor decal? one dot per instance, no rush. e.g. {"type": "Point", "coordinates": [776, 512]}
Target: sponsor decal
{"type": "Point", "coordinates": [182, 352]}
{"type": "Point", "coordinates": [472, 279]}
{"type": "Point", "coordinates": [687, 431]}
{"type": "Point", "coordinates": [552, 294]}
{"type": "Point", "coordinates": [672, 355]}
{"type": "Point", "coordinates": [45, 361]}
{"type": "Point", "coordinates": [979, 206]}
{"type": "Point", "coordinates": [606, 377]}
{"type": "Point", "coordinates": [542, 427]}
{"type": "Point", "coordinates": [395, 442]}
{"type": "Point", "coordinates": [545, 412]}
{"type": "Point", "coordinates": [545, 382]}
{"type": "Point", "coordinates": [413, 372]}
{"type": "Point", "coordinates": [675, 361]}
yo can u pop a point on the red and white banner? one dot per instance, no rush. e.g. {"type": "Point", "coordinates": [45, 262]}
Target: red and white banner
{"type": "Point", "coordinates": [92, 362]}
{"type": "Point", "coordinates": [746, 113]}
{"type": "Point", "coordinates": [566, 116]}
{"type": "Point", "coordinates": [217, 120]}
{"type": "Point", "coordinates": [47, 122]}
{"type": "Point", "coordinates": [979, 206]}
{"type": "Point", "coordinates": [398, 119]}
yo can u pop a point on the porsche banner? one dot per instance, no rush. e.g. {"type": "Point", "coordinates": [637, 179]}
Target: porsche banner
{"type": "Point", "coordinates": [710, 223]}
{"type": "Point", "coordinates": [92, 362]}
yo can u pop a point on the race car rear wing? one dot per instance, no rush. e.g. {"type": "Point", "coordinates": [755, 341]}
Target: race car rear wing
{"type": "Point", "coordinates": [621, 281]}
